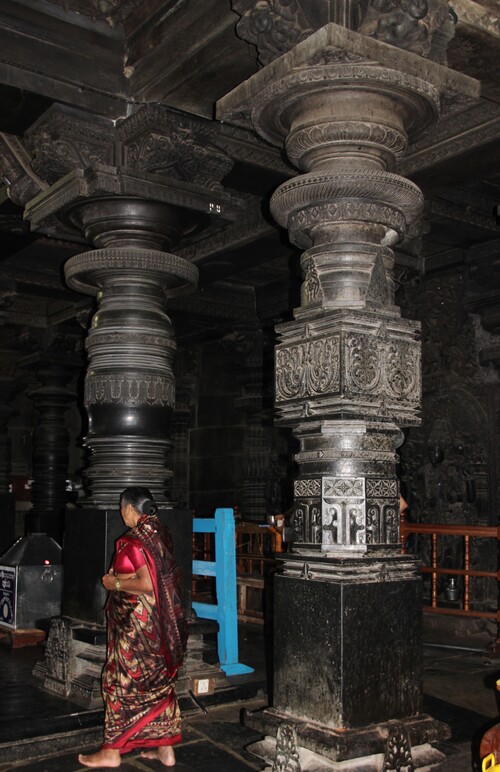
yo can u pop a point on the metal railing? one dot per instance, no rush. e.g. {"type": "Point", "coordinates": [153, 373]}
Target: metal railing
{"type": "Point", "coordinates": [466, 532]}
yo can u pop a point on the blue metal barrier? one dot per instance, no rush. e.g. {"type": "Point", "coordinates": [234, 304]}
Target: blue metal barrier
{"type": "Point", "coordinates": [225, 611]}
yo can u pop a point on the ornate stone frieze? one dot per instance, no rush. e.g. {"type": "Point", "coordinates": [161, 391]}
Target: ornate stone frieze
{"type": "Point", "coordinates": [381, 488]}
{"type": "Point", "coordinates": [343, 513]}
{"type": "Point", "coordinates": [64, 139]}
{"type": "Point", "coordinates": [275, 26]}
{"type": "Point", "coordinates": [335, 132]}
{"type": "Point", "coordinates": [307, 488]}
{"type": "Point", "coordinates": [306, 521]}
{"type": "Point", "coordinates": [316, 188]}
{"type": "Point", "coordinates": [86, 272]}
{"type": "Point", "coordinates": [130, 392]}
{"type": "Point", "coordinates": [375, 369]}
{"type": "Point", "coordinates": [155, 140]}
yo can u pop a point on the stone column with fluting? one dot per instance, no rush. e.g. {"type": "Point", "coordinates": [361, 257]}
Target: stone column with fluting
{"type": "Point", "coordinates": [347, 604]}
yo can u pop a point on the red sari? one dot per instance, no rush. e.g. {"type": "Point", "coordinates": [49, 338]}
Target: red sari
{"type": "Point", "coordinates": [146, 641]}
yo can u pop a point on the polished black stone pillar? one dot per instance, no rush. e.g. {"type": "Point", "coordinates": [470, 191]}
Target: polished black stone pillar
{"type": "Point", "coordinates": [348, 668]}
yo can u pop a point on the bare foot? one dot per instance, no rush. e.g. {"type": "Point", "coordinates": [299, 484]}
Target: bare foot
{"type": "Point", "coordinates": [164, 753]}
{"type": "Point", "coordinates": [108, 757]}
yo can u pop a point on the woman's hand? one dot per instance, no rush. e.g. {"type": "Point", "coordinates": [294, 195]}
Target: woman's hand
{"type": "Point", "coordinates": [109, 580]}
{"type": "Point", "coordinates": [135, 584]}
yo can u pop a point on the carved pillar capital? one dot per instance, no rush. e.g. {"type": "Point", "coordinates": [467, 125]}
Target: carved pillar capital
{"type": "Point", "coordinates": [276, 26]}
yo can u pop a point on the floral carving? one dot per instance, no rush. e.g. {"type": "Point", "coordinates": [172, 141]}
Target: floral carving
{"type": "Point", "coordinates": [363, 371]}
{"type": "Point", "coordinates": [287, 754]}
{"type": "Point", "coordinates": [403, 371]}
{"type": "Point", "coordinates": [129, 391]}
{"type": "Point", "coordinates": [307, 369]}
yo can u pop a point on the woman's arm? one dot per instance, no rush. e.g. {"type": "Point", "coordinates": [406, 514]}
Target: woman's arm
{"type": "Point", "coordinates": [137, 583]}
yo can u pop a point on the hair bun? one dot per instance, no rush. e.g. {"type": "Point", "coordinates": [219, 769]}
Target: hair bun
{"type": "Point", "coordinates": [148, 507]}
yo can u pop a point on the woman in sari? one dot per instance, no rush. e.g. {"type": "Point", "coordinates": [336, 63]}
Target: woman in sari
{"type": "Point", "coordinates": [147, 634]}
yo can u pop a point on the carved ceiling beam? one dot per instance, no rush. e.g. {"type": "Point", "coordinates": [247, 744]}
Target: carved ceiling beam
{"type": "Point", "coordinates": [471, 128]}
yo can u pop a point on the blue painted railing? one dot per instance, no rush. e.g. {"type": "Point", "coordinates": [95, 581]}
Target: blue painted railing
{"type": "Point", "coordinates": [225, 611]}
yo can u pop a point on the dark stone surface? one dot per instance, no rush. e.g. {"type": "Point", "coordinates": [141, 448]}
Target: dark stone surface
{"type": "Point", "coordinates": [358, 644]}
{"type": "Point", "coordinates": [88, 550]}
{"type": "Point", "coordinates": [8, 529]}
{"type": "Point", "coordinates": [345, 744]}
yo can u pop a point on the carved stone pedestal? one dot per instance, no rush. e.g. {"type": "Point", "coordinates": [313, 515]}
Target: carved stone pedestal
{"type": "Point", "coordinates": [392, 745]}
{"type": "Point", "coordinates": [357, 680]}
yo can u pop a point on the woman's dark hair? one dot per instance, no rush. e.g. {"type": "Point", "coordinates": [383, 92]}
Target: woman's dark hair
{"type": "Point", "coordinates": [141, 499]}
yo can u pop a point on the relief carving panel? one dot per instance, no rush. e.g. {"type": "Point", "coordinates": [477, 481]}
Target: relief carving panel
{"type": "Point", "coordinates": [343, 513]}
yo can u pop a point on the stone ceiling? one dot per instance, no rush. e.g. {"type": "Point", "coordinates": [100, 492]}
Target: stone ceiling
{"type": "Point", "coordinates": [109, 56]}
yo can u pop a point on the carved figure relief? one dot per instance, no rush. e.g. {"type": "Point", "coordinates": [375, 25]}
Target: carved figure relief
{"type": "Point", "coordinates": [57, 650]}
{"type": "Point", "coordinates": [408, 24]}
{"type": "Point", "coordinates": [449, 465]}
{"type": "Point", "coordinates": [273, 26]}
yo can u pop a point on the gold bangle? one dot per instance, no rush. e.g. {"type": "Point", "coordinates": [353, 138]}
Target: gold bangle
{"type": "Point", "coordinates": [117, 585]}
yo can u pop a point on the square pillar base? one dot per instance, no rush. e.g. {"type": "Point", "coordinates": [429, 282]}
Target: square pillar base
{"type": "Point", "coordinates": [347, 666]}
{"type": "Point", "coordinates": [296, 744]}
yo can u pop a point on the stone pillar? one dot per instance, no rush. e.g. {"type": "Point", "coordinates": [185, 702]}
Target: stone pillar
{"type": "Point", "coordinates": [129, 386]}
{"type": "Point", "coordinates": [50, 441]}
{"type": "Point", "coordinates": [165, 185]}
{"type": "Point", "coordinates": [347, 603]}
